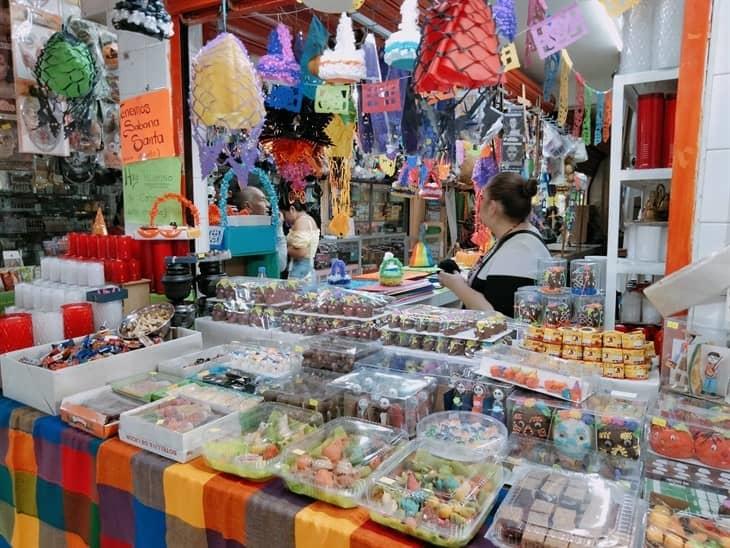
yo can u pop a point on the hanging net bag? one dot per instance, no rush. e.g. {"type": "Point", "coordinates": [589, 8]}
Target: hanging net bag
{"type": "Point", "coordinates": [227, 108]}
{"type": "Point", "coordinates": [459, 48]}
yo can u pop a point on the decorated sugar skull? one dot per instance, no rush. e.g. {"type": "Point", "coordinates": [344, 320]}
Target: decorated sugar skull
{"type": "Point", "coordinates": [673, 441]}
{"type": "Point", "coordinates": [498, 394]}
{"type": "Point", "coordinates": [573, 434]}
{"type": "Point", "coordinates": [713, 449]}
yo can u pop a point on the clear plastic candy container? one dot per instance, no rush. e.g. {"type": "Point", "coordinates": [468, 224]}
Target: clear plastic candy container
{"type": "Point", "coordinates": [142, 387]}
{"type": "Point", "coordinates": [462, 435]}
{"type": "Point", "coordinates": [228, 401]}
{"type": "Point", "coordinates": [390, 399]}
{"type": "Point", "coordinates": [336, 353]}
{"type": "Point", "coordinates": [335, 463]}
{"type": "Point", "coordinates": [307, 389]}
{"type": "Point", "coordinates": [559, 509]}
{"type": "Point", "coordinates": [552, 274]}
{"type": "Point", "coordinates": [250, 444]}
{"type": "Point", "coordinates": [436, 499]}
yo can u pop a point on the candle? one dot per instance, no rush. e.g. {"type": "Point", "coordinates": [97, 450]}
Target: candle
{"type": "Point", "coordinates": [78, 320]}
{"type": "Point", "coordinates": [16, 331]}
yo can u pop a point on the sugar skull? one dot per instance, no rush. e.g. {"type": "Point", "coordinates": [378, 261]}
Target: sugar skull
{"type": "Point", "coordinates": [573, 434]}
{"type": "Point", "coordinates": [531, 419]}
{"type": "Point", "coordinates": [713, 449]}
{"type": "Point", "coordinates": [619, 440]}
{"type": "Point", "coordinates": [671, 442]}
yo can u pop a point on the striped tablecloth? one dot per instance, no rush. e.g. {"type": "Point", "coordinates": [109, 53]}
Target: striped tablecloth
{"type": "Point", "coordinates": [62, 488]}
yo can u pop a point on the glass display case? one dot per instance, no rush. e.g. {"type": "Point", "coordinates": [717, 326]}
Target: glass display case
{"type": "Point", "coordinates": [376, 210]}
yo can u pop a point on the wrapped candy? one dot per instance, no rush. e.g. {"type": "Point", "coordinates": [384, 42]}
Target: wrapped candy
{"type": "Point", "coordinates": [556, 310]}
{"type": "Point", "coordinates": [528, 305]}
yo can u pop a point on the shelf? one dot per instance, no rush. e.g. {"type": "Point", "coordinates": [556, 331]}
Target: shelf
{"type": "Point", "coordinates": [657, 174]}
{"type": "Point", "coordinates": [631, 266]}
{"type": "Point", "coordinates": [646, 77]}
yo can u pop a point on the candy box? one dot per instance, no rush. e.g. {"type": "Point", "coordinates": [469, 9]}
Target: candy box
{"type": "Point", "coordinates": [142, 387]}
{"type": "Point", "coordinates": [335, 463]}
{"type": "Point", "coordinates": [174, 427]}
{"type": "Point", "coordinates": [668, 525]}
{"type": "Point", "coordinates": [614, 370]}
{"type": "Point", "coordinates": [612, 339]}
{"type": "Point", "coordinates": [560, 509]}
{"type": "Point", "coordinates": [612, 355]}
{"type": "Point", "coordinates": [387, 398]}
{"type": "Point", "coordinates": [689, 430]}
{"type": "Point", "coordinates": [337, 353]}
{"type": "Point", "coordinates": [633, 340]}
{"type": "Point", "coordinates": [250, 444]}
{"type": "Point", "coordinates": [591, 337]}
{"type": "Point", "coordinates": [44, 389]}
{"type": "Point", "coordinates": [222, 399]}
{"type": "Point", "coordinates": [431, 497]}
{"type": "Point", "coordinates": [307, 389]}
{"type": "Point", "coordinates": [189, 364]}
{"type": "Point", "coordinates": [463, 435]}
{"type": "Point", "coordinates": [637, 372]}
{"type": "Point", "coordinates": [96, 411]}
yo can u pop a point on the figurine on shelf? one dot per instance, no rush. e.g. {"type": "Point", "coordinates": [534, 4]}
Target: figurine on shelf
{"type": "Point", "coordinates": [338, 273]}
{"type": "Point", "coordinates": [478, 395]}
{"type": "Point", "coordinates": [712, 364]}
{"type": "Point", "coordinates": [363, 403]}
{"type": "Point", "coordinates": [457, 398]}
{"type": "Point", "coordinates": [498, 405]}
{"type": "Point", "coordinates": [391, 271]}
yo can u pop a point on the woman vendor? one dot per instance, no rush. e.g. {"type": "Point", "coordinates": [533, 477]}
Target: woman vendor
{"type": "Point", "coordinates": [302, 240]}
{"type": "Point", "coordinates": [512, 261]}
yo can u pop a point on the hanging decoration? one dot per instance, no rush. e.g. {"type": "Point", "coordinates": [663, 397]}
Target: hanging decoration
{"type": "Point", "coordinates": [148, 17]}
{"type": "Point", "coordinates": [608, 112]}
{"type": "Point", "coordinates": [306, 125]}
{"type": "Point", "coordinates": [296, 159]}
{"type": "Point", "coordinates": [587, 106]}
{"type": "Point", "coordinates": [334, 99]}
{"type": "Point", "coordinates": [431, 187]}
{"type": "Point", "coordinates": [315, 44]}
{"type": "Point", "coordinates": [285, 97]}
{"type": "Point", "coordinates": [482, 236]}
{"type": "Point", "coordinates": [566, 66]}
{"type": "Point", "coordinates": [484, 169]}
{"type": "Point", "coordinates": [558, 31]}
{"type": "Point", "coordinates": [381, 97]}
{"type": "Point", "coordinates": [505, 17]}
{"type": "Point", "coordinates": [386, 165]}
{"type": "Point", "coordinates": [580, 102]}
{"type": "Point", "coordinates": [65, 68]}
{"type": "Point", "coordinates": [340, 175]}
{"type": "Point", "coordinates": [513, 140]}
{"type": "Point", "coordinates": [598, 132]}
{"type": "Point", "coordinates": [459, 48]}
{"type": "Point", "coordinates": [334, 6]}
{"type": "Point", "coordinates": [421, 256]}
{"type": "Point", "coordinates": [345, 63]}
{"type": "Point", "coordinates": [375, 99]}
{"type": "Point", "coordinates": [617, 7]}
{"type": "Point", "coordinates": [552, 65]}
{"type": "Point", "coordinates": [278, 66]}
{"type": "Point", "coordinates": [227, 108]}
{"type": "Point", "coordinates": [536, 10]}
{"type": "Point", "coordinates": [341, 134]}
{"type": "Point", "coordinates": [401, 47]}
{"type": "Point", "coordinates": [509, 58]}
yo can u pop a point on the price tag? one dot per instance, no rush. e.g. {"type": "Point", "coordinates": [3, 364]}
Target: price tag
{"type": "Point", "coordinates": [313, 403]}
{"type": "Point", "coordinates": [298, 452]}
{"type": "Point", "coordinates": [672, 324]}
{"type": "Point", "coordinates": [658, 421]}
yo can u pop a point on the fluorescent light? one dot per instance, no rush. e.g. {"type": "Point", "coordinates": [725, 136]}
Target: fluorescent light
{"type": "Point", "coordinates": [612, 26]}
{"type": "Point", "coordinates": [371, 25]}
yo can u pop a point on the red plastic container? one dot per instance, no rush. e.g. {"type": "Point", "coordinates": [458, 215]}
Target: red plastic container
{"type": "Point", "coordinates": [670, 111]}
{"type": "Point", "coordinates": [78, 320]}
{"type": "Point", "coordinates": [160, 250]}
{"type": "Point", "coordinates": [649, 127]}
{"type": "Point", "coordinates": [16, 331]}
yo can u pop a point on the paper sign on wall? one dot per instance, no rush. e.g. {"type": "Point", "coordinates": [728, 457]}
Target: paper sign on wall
{"type": "Point", "coordinates": [146, 127]}
{"type": "Point", "coordinates": [144, 182]}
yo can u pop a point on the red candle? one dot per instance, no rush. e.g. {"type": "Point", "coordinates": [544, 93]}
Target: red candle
{"type": "Point", "coordinates": [16, 331]}
{"type": "Point", "coordinates": [125, 248]}
{"type": "Point", "coordinates": [73, 244]}
{"type": "Point", "coordinates": [135, 270]}
{"type": "Point", "coordinates": [160, 250]}
{"type": "Point", "coordinates": [84, 241]}
{"type": "Point", "coordinates": [108, 270]}
{"type": "Point", "coordinates": [78, 320]}
{"type": "Point", "coordinates": [180, 248]}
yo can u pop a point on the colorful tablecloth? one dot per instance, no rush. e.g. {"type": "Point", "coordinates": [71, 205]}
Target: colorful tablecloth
{"type": "Point", "coordinates": [62, 488]}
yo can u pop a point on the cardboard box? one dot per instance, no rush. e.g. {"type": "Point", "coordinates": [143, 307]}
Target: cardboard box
{"type": "Point", "coordinates": [44, 389]}
{"type": "Point", "coordinates": [92, 422]}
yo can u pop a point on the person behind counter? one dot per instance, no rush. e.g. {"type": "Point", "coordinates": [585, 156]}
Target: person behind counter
{"type": "Point", "coordinates": [512, 261]}
{"type": "Point", "coordinates": [254, 201]}
{"type": "Point", "coordinates": [302, 240]}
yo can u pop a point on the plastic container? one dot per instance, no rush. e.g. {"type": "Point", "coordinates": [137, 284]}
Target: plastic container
{"type": "Point", "coordinates": [268, 359]}
{"type": "Point", "coordinates": [190, 364]}
{"type": "Point", "coordinates": [529, 305]}
{"type": "Point", "coordinates": [431, 497]}
{"type": "Point", "coordinates": [649, 130]}
{"type": "Point", "coordinates": [78, 320]}
{"type": "Point", "coordinates": [552, 274]}
{"type": "Point", "coordinates": [463, 436]}
{"type": "Point", "coordinates": [228, 377]}
{"type": "Point", "coordinates": [335, 463]}
{"type": "Point", "coordinates": [557, 306]}
{"type": "Point", "coordinates": [588, 310]}
{"type": "Point", "coordinates": [142, 387]}
{"type": "Point", "coordinates": [689, 430]}
{"type": "Point", "coordinates": [96, 411]}
{"type": "Point", "coordinates": [560, 509]}
{"type": "Point", "coordinates": [390, 399]}
{"type": "Point", "coordinates": [306, 389]}
{"type": "Point", "coordinates": [585, 277]}
{"type": "Point", "coordinates": [673, 526]}
{"type": "Point", "coordinates": [336, 353]}
{"type": "Point", "coordinates": [16, 331]}
{"type": "Point", "coordinates": [250, 444]}
{"type": "Point", "coordinates": [342, 303]}
{"type": "Point", "coordinates": [221, 399]}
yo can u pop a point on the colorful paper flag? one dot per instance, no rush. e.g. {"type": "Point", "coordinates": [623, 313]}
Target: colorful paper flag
{"type": "Point", "coordinates": [608, 112]}
{"type": "Point", "coordinates": [565, 65]}
{"type": "Point", "coordinates": [536, 10]}
{"type": "Point", "coordinates": [552, 65]}
{"type": "Point", "coordinates": [580, 102]}
{"type": "Point", "coordinates": [587, 106]}
{"type": "Point", "coordinates": [598, 132]}
{"type": "Point", "coordinates": [508, 55]}
{"type": "Point", "coordinates": [381, 97]}
{"type": "Point", "coordinates": [558, 31]}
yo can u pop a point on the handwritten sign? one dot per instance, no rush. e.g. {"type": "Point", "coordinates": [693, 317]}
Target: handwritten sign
{"type": "Point", "coordinates": [146, 127]}
{"type": "Point", "coordinates": [144, 182]}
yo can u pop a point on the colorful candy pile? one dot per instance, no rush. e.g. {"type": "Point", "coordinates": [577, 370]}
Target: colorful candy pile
{"type": "Point", "coordinates": [463, 435]}
{"type": "Point", "coordinates": [93, 347]}
{"type": "Point", "coordinates": [179, 414]}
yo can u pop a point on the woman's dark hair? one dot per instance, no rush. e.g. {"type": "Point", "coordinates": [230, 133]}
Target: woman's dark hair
{"type": "Point", "coordinates": [514, 193]}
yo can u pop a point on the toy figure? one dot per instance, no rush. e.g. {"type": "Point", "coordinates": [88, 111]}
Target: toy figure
{"type": "Point", "coordinates": [573, 438]}
{"type": "Point", "coordinates": [462, 398]}
{"type": "Point", "coordinates": [709, 385]}
{"type": "Point", "coordinates": [498, 405]}
{"type": "Point", "coordinates": [478, 399]}
{"type": "Point", "coordinates": [362, 407]}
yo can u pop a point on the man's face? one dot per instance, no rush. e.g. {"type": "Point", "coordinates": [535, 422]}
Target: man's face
{"type": "Point", "coordinates": [257, 203]}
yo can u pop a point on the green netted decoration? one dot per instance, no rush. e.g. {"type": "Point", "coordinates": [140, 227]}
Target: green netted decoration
{"type": "Point", "coordinates": [66, 69]}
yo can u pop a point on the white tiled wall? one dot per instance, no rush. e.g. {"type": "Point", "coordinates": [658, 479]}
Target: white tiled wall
{"type": "Point", "coordinates": [712, 227]}
{"type": "Point", "coordinates": [143, 64]}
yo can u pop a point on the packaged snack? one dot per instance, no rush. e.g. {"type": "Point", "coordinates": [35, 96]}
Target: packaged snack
{"type": "Point", "coordinates": [534, 332]}
{"type": "Point", "coordinates": [434, 498]}
{"type": "Point", "coordinates": [571, 336]}
{"type": "Point", "coordinates": [189, 364]}
{"type": "Point", "coordinates": [531, 416]}
{"type": "Point", "coordinates": [558, 509]}
{"type": "Point", "coordinates": [308, 389]}
{"type": "Point", "coordinates": [96, 411]}
{"type": "Point", "coordinates": [613, 370]}
{"type": "Point", "coordinates": [534, 346]}
{"type": "Point", "coordinates": [557, 308]}
{"type": "Point", "coordinates": [668, 526]}
{"type": "Point", "coordinates": [337, 353]}
{"type": "Point", "coordinates": [555, 350]}
{"type": "Point", "coordinates": [390, 399]}
{"type": "Point", "coordinates": [637, 372]}
{"type": "Point", "coordinates": [592, 354]}
{"type": "Point", "coordinates": [612, 355]}
{"type": "Point", "coordinates": [250, 444]}
{"type": "Point", "coordinates": [572, 352]}
{"type": "Point", "coordinates": [552, 335]}
{"type": "Point", "coordinates": [591, 337]}
{"type": "Point", "coordinates": [585, 277]}
{"type": "Point", "coordinates": [343, 303]}
{"type": "Point", "coordinates": [528, 305]}
{"type": "Point", "coordinates": [588, 310]}
{"type": "Point", "coordinates": [463, 435]}
{"type": "Point", "coordinates": [142, 387]}
{"type": "Point", "coordinates": [222, 399]}
{"type": "Point", "coordinates": [612, 339]}
{"type": "Point", "coordinates": [336, 462]}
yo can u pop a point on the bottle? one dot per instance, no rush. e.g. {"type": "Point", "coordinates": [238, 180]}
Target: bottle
{"type": "Point", "coordinates": [262, 273]}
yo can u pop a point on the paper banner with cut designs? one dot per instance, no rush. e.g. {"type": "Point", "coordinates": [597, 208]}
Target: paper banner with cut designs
{"type": "Point", "coordinates": [342, 135]}
{"type": "Point", "coordinates": [617, 7]}
{"type": "Point", "coordinates": [587, 106]}
{"type": "Point", "coordinates": [598, 131]}
{"type": "Point", "coordinates": [608, 112]}
{"type": "Point", "coordinates": [566, 64]}
{"type": "Point", "coordinates": [580, 103]}
{"type": "Point", "coordinates": [558, 31]}
{"type": "Point", "coordinates": [509, 57]}
{"type": "Point", "coordinates": [536, 10]}
{"type": "Point", "coordinates": [330, 98]}
{"type": "Point", "coordinates": [381, 97]}
{"type": "Point", "coordinates": [285, 98]}
{"type": "Point", "coordinates": [552, 65]}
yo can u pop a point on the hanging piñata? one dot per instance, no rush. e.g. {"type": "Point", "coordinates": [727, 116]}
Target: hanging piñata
{"type": "Point", "coordinates": [459, 48]}
{"type": "Point", "coordinates": [334, 6]}
{"type": "Point", "coordinates": [65, 69]}
{"type": "Point", "coordinates": [342, 134]}
{"type": "Point", "coordinates": [401, 47]}
{"type": "Point", "coordinates": [345, 63]}
{"type": "Point", "coordinates": [315, 44]}
{"type": "Point", "coordinates": [147, 17]}
{"type": "Point", "coordinates": [227, 108]}
{"type": "Point", "coordinates": [278, 66]}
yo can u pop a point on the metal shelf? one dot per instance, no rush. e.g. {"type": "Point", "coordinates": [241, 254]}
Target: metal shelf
{"type": "Point", "coordinates": [649, 175]}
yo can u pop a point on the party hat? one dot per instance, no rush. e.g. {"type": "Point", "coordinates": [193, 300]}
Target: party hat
{"type": "Point", "coordinates": [99, 226]}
